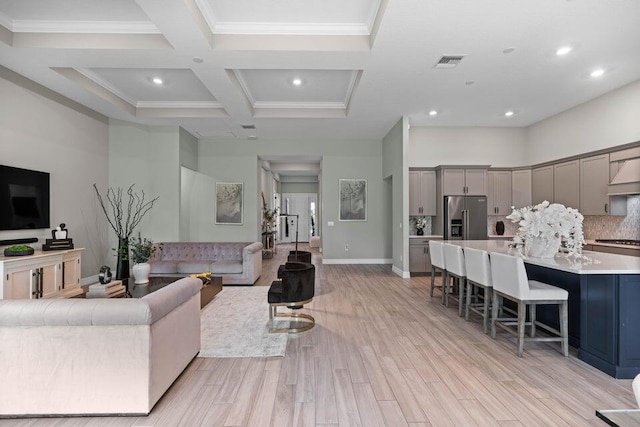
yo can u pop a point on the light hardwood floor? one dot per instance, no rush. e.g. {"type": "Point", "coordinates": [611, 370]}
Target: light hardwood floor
{"type": "Point", "coordinates": [382, 353]}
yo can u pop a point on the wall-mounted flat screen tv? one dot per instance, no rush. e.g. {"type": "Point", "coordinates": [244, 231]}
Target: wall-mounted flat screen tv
{"type": "Point", "coordinates": [24, 199]}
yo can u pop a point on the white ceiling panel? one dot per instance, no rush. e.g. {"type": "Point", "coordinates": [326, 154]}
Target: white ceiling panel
{"type": "Point", "coordinates": [136, 85]}
{"type": "Point", "coordinates": [72, 10]}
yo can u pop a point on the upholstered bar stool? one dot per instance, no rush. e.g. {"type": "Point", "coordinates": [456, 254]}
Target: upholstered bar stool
{"type": "Point", "coordinates": [478, 277]}
{"type": "Point", "coordinates": [454, 260]}
{"type": "Point", "coordinates": [436, 253]}
{"type": "Point", "coordinates": [510, 281]}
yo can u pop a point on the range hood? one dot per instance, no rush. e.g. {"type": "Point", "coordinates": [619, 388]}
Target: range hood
{"type": "Point", "coordinates": [627, 179]}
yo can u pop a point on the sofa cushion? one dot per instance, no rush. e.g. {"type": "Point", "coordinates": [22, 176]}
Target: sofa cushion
{"type": "Point", "coordinates": [188, 267]}
{"type": "Point", "coordinates": [164, 267]}
{"type": "Point", "coordinates": [165, 300]}
{"type": "Point", "coordinates": [226, 267]}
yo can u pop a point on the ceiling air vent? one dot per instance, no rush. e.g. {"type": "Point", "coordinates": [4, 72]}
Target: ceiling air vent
{"type": "Point", "coordinates": [449, 61]}
{"type": "Point", "coordinates": [248, 126]}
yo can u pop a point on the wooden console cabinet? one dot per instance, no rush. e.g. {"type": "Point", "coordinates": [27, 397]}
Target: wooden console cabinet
{"type": "Point", "coordinates": [53, 274]}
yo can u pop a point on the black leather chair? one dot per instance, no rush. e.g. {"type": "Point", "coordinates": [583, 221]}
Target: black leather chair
{"type": "Point", "coordinates": [296, 288]}
{"type": "Point", "coordinates": [299, 256]}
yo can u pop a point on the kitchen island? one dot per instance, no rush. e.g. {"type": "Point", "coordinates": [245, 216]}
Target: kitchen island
{"type": "Point", "coordinates": [604, 303]}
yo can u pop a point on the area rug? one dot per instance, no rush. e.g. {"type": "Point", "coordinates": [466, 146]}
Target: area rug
{"type": "Point", "coordinates": [235, 324]}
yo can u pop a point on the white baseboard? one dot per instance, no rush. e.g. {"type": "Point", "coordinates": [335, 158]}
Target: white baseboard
{"type": "Point", "coordinates": [403, 274]}
{"type": "Point", "coordinates": [358, 261]}
{"type": "Point", "coordinates": [90, 280]}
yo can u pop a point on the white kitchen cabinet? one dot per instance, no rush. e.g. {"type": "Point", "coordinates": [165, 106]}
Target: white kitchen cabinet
{"type": "Point", "coordinates": [41, 275]}
{"type": "Point", "coordinates": [566, 183]}
{"type": "Point", "coordinates": [521, 188]}
{"type": "Point", "coordinates": [462, 182]}
{"type": "Point", "coordinates": [542, 184]}
{"type": "Point", "coordinates": [422, 193]}
{"type": "Point", "coordinates": [594, 181]}
{"type": "Point", "coordinates": [498, 192]}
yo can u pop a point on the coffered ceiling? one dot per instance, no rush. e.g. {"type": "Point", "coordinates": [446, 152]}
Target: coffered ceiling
{"type": "Point", "coordinates": [322, 69]}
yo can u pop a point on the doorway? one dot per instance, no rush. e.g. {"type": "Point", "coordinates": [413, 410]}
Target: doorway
{"type": "Point", "coordinates": [305, 205]}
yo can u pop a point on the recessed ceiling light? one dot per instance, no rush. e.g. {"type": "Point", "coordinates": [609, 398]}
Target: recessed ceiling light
{"type": "Point", "coordinates": [296, 82]}
{"type": "Point", "coordinates": [252, 137]}
{"type": "Point", "coordinates": [597, 73]}
{"type": "Point", "coordinates": [433, 113]}
{"type": "Point", "coordinates": [509, 50]}
{"type": "Point", "coordinates": [564, 50]}
{"type": "Point", "coordinates": [157, 80]}
{"type": "Point", "coordinates": [198, 60]}
{"type": "Point", "coordinates": [509, 113]}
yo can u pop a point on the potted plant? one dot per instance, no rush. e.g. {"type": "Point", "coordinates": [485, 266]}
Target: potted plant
{"type": "Point", "coordinates": [141, 251]}
{"type": "Point", "coordinates": [268, 215]}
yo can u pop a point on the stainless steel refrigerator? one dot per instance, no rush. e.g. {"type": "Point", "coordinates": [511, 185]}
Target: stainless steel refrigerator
{"type": "Point", "coordinates": [465, 218]}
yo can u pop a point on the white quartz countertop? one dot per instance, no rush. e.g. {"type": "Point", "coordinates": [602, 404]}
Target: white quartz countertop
{"type": "Point", "coordinates": [595, 262]}
{"type": "Point", "coordinates": [426, 236]}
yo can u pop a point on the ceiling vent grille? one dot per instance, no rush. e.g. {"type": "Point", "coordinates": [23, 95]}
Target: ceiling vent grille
{"type": "Point", "coordinates": [248, 126]}
{"type": "Point", "coordinates": [449, 61]}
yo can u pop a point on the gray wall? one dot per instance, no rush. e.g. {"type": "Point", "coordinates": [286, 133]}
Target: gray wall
{"type": "Point", "coordinates": [231, 161]}
{"type": "Point", "coordinates": [299, 187]}
{"type": "Point", "coordinates": [44, 131]}
{"type": "Point", "coordinates": [393, 169]}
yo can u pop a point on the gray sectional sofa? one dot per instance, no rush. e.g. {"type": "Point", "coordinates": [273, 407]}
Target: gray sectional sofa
{"type": "Point", "coordinates": [239, 263]}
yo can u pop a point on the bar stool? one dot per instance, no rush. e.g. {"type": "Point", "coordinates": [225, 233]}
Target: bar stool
{"type": "Point", "coordinates": [454, 260]}
{"type": "Point", "coordinates": [436, 253]}
{"type": "Point", "coordinates": [510, 281]}
{"type": "Point", "coordinates": [478, 277]}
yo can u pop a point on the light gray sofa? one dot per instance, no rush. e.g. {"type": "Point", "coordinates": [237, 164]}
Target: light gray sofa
{"type": "Point", "coordinates": [239, 263]}
{"type": "Point", "coordinates": [96, 356]}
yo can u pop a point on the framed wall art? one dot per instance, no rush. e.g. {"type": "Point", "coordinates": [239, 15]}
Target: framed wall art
{"type": "Point", "coordinates": [353, 200]}
{"type": "Point", "coordinates": [229, 203]}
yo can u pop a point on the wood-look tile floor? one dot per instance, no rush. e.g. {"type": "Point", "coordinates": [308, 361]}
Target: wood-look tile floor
{"type": "Point", "coordinates": [382, 353]}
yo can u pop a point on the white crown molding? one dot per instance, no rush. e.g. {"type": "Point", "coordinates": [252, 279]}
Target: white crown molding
{"type": "Point", "coordinates": [106, 85]}
{"type": "Point", "coordinates": [300, 105]}
{"type": "Point", "coordinates": [291, 28]}
{"type": "Point", "coordinates": [352, 83]}
{"type": "Point", "coordinates": [245, 87]}
{"type": "Point", "coordinates": [207, 12]}
{"type": "Point", "coordinates": [6, 22]}
{"type": "Point", "coordinates": [84, 27]}
{"type": "Point", "coordinates": [373, 15]}
{"type": "Point", "coordinates": [178, 104]}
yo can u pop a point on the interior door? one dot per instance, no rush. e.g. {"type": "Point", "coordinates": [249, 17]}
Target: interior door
{"type": "Point", "coordinates": [303, 205]}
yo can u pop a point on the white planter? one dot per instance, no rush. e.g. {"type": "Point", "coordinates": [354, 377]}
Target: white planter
{"type": "Point", "coordinates": [141, 273]}
{"type": "Point", "coordinates": [540, 247]}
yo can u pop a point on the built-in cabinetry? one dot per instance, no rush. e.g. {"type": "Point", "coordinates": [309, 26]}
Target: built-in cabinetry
{"type": "Point", "coordinates": [566, 183]}
{"type": "Point", "coordinates": [521, 188]}
{"type": "Point", "coordinates": [42, 275]}
{"type": "Point", "coordinates": [594, 183]}
{"type": "Point", "coordinates": [499, 192]}
{"type": "Point", "coordinates": [422, 193]}
{"type": "Point", "coordinates": [542, 184]}
{"type": "Point", "coordinates": [462, 182]}
{"type": "Point", "coordinates": [419, 258]}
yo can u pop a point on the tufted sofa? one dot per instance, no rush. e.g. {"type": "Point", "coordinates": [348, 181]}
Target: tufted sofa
{"type": "Point", "coordinates": [239, 263]}
{"type": "Point", "coordinates": [96, 356]}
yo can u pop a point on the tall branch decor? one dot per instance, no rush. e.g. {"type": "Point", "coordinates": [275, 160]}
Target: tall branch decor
{"type": "Point", "coordinates": [124, 213]}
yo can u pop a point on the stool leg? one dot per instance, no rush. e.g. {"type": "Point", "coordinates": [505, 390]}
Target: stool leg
{"type": "Point", "coordinates": [485, 314]}
{"type": "Point", "coordinates": [522, 314]}
{"type": "Point", "coordinates": [532, 316]}
{"type": "Point", "coordinates": [564, 328]}
{"type": "Point", "coordinates": [433, 280]}
{"type": "Point", "coordinates": [445, 279]}
{"type": "Point", "coordinates": [494, 314]}
{"type": "Point", "coordinates": [466, 309]}
{"type": "Point", "coordinates": [461, 283]}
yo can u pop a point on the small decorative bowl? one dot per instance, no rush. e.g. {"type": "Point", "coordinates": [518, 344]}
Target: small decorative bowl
{"type": "Point", "coordinates": [19, 253]}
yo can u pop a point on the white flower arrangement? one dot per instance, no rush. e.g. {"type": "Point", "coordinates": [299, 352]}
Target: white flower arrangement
{"type": "Point", "coordinates": [549, 222]}
{"type": "Point", "coordinates": [421, 222]}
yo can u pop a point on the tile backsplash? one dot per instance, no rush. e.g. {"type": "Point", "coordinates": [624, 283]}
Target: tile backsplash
{"type": "Point", "coordinates": [509, 227]}
{"type": "Point", "coordinates": [615, 227]}
{"type": "Point", "coordinates": [412, 225]}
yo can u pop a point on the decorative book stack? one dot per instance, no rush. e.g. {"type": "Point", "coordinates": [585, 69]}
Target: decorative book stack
{"type": "Point", "coordinates": [57, 244]}
{"type": "Point", "coordinates": [108, 290]}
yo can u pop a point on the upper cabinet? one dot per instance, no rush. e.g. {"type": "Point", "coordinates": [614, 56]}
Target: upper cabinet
{"type": "Point", "coordinates": [542, 184]}
{"type": "Point", "coordinates": [594, 181]}
{"type": "Point", "coordinates": [566, 183]}
{"type": "Point", "coordinates": [462, 182]}
{"type": "Point", "coordinates": [499, 192]}
{"type": "Point", "coordinates": [521, 188]}
{"type": "Point", "coordinates": [422, 193]}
